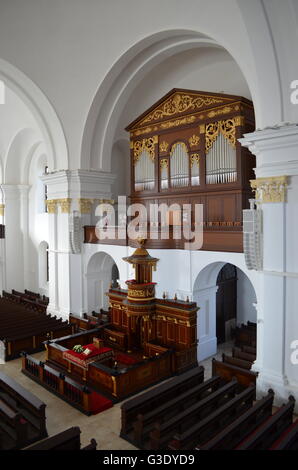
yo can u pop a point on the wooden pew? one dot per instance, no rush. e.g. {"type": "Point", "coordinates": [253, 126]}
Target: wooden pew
{"type": "Point", "coordinates": [249, 349]}
{"type": "Point", "coordinates": [65, 440]}
{"type": "Point", "coordinates": [245, 336]}
{"type": "Point", "coordinates": [227, 372]}
{"type": "Point", "coordinates": [288, 440]}
{"type": "Point", "coordinates": [233, 434]}
{"type": "Point", "coordinates": [163, 432]}
{"type": "Point", "coordinates": [207, 428]}
{"type": "Point", "coordinates": [31, 409]}
{"type": "Point", "coordinates": [157, 396]}
{"type": "Point", "coordinates": [265, 435]}
{"type": "Point", "coordinates": [13, 428]}
{"type": "Point", "coordinates": [234, 361]}
{"type": "Point", "coordinates": [238, 353]}
{"type": "Point", "coordinates": [145, 421]}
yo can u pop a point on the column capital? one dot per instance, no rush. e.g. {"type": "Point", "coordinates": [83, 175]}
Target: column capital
{"type": "Point", "coordinates": [275, 148]}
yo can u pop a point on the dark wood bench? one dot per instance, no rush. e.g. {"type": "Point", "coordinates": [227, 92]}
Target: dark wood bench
{"type": "Point", "coordinates": [163, 432]}
{"type": "Point", "coordinates": [234, 361]}
{"type": "Point", "coordinates": [65, 440]}
{"type": "Point", "coordinates": [158, 396]}
{"type": "Point", "coordinates": [265, 435]}
{"type": "Point", "coordinates": [288, 440]}
{"type": "Point", "coordinates": [233, 434]}
{"type": "Point", "coordinates": [215, 422]}
{"type": "Point", "coordinates": [13, 428]}
{"type": "Point", "coordinates": [228, 371]}
{"type": "Point", "coordinates": [145, 421]}
{"type": "Point", "coordinates": [239, 354]}
{"type": "Point", "coordinates": [249, 349]}
{"type": "Point", "coordinates": [24, 404]}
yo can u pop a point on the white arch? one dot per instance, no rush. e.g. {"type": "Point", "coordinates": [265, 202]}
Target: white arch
{"type": "Point", "coordinates": [204, 294]}
{"type": "Point", "coordinates": [98, 278]}
{"type": "Point", "coordinates": [43, 112]}
{"type": "Point", "coordinates": [130, 69]}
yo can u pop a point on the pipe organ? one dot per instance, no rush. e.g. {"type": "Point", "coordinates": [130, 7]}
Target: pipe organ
{"type": "Point", "coordinates": [185, 149]}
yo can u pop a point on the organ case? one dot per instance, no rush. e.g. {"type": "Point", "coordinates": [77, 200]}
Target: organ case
{"type": "Point", "coordinates": [185, 149]}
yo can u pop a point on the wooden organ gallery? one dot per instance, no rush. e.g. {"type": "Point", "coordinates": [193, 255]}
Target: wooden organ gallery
{"type": "Point", "coordinates": [184, 150]}
{"type": "Point", "coordinates": [145, 341]}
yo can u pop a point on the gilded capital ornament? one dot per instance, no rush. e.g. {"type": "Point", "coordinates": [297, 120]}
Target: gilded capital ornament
{"type": "Point", "coordinates": [85, 205]}
{"type": "Point", "coordinates": [270, 189]}
{"type": "Point", "coordinates": [51, 205]}
{"type": "Point", "coordinates": [65, 205]}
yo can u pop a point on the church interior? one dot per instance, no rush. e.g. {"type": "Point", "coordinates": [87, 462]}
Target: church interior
{"type": "Point", "coordinates": [148, 225]}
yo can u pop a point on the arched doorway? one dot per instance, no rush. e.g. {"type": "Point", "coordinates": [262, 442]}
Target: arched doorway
{"type": "Point", "coordinates": [226, 302]}
{"type": "Point", "coordinates": [225, 294]}
{"type": "Point", "coordinates": [101, 272]}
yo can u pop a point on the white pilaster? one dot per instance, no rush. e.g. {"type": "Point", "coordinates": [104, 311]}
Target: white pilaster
{"type": "Point", "coordinates": [276, 152]}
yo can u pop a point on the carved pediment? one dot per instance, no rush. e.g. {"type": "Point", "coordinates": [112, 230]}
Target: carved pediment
{"type": "Point", "coordinates": [180, 102]}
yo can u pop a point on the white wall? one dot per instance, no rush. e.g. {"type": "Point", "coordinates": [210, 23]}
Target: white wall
{"type": "Point", "coordinates": [246, 297]}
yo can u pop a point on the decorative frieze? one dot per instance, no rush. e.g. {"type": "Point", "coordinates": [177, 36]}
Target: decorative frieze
{"type": "Point", "coordinates": [271, 189]}
{"type": "Point", "coordinates": [52, 204]}
{"type": "Point", "coordinates": [85, 205]}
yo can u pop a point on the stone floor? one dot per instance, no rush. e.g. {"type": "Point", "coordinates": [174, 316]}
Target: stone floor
{"type": "Point", "coordinates": [221, 348]}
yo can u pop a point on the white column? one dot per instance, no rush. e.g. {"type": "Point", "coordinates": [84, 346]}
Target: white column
{"type": "Point", "coordinates": [206, 301]}
{"type": "Point", "coordinates": [276, 152]}
{"type": "Point", "coordinates": [16, 235]}
{"type": "Point", "coordinates": [70, 193]}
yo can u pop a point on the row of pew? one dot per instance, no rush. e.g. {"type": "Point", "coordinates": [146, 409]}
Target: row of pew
{"type": "Point", "coordinates": [189, 413]}
{"type": "Point", "coordinates": [26, 328]}
{"type": "Point", "coordinates": [91, 321]}
{"type": "Point", "coordinates": [243, 356]}
{"type": "Point", "coordinates": [23, 422]}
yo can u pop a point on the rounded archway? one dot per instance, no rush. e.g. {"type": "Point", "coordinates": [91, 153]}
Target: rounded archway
{"type": "Point", "coordinates": [211, 294]}
{"type": "Point", "coordinates": [101, 271]}
{"type": "Point", "coordinates": [138, 61]}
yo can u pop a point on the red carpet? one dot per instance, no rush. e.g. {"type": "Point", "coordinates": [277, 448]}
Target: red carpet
{"type": "Point", "coordinates": [99, 403]}
{"type": "Point", "coordinates": [124, 359]}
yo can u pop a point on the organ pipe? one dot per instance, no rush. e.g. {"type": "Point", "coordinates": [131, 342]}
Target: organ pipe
{"type": "Point", "coordinates": [221, 162]}
{"type": "Point", "coordinates": [179, 165]}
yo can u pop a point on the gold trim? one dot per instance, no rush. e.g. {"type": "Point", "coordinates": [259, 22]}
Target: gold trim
{"type": "Point", "coordinates": [147, 145]}
{"type": "Point", "coordinates": [227, 129]}
{"type": "Point", "coordinates": [164, 163]}
{"type": "Point", "coordinates": [51, 205]}
{"type": "Point", "coordinates": [270, 189]}
{"type": "Point", "coordinates": [163, 147]}
{"type": "Point", "coordinates": [65, 205]}
{"type": "Point", "coordinates": [194, 158]}
{"type": "Point", "coordinates": [85, 205]}
{"type": "Point", "coordinates": [2, 207]}
{"type": "Point", "coordinates": [194, 140]}
{"type": "Point", "coordinates": [183, 145]}
{"type": "Point", "coordinates": [181, 103]}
